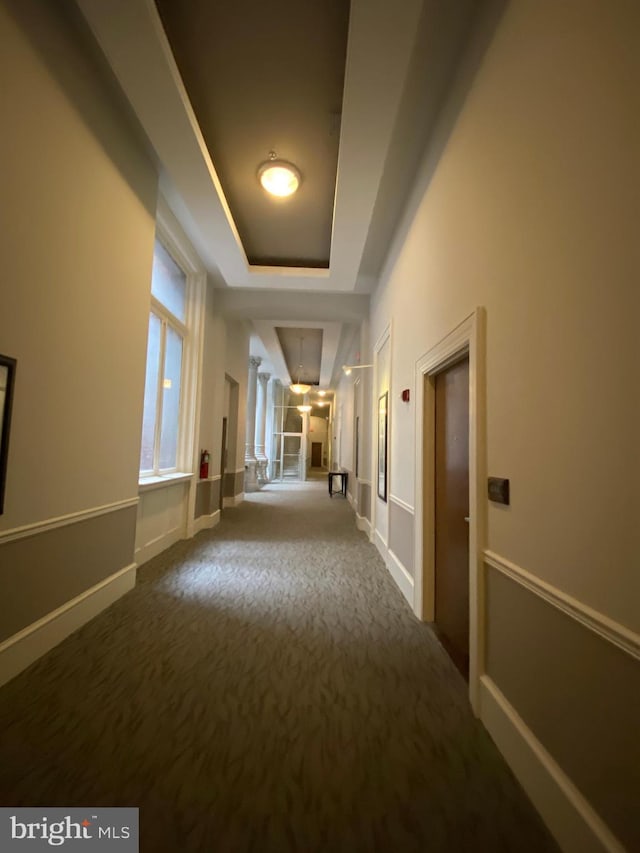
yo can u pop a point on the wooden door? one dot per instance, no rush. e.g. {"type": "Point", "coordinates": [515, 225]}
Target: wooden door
{"type": "Point", "coordinates": [316, 454]}
{"type": "Point", "coordinates": [452, 511]}
{"type": "Point", "coordinates": [223, 460]}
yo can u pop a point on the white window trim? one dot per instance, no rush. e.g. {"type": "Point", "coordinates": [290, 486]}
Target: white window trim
{"type": "Point", "coordinates": [169, 233]}
{"type": "Point", "coordinates": [168, 321]}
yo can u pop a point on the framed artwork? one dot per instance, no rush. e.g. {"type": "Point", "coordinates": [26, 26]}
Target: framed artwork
{"type": "Point", "coordinates": [382, 446]}
{"type": "Point", "coordinates": [357, 453]}
{"type": "Point", "coordinates": [7, 379]}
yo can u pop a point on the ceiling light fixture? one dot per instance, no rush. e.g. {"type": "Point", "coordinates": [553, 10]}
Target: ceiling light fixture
{"type": "Point", "coordinates": [321, 393]}
{"type": "Point", "coordinates": [278, 177]}
{"type": "Point", "coordinates": [299, 387]}
{"type": "Point", "coordinates": [304, 408]}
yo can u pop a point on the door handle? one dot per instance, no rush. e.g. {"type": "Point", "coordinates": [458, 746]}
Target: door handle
{"type": "Point", "coordinates": [466, 518]}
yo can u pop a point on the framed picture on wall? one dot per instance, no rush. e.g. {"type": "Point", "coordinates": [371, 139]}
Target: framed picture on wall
{"type": "Point", "coordinates": [382, 446]}
{"type": "Point", "coordinates": [7, 378]}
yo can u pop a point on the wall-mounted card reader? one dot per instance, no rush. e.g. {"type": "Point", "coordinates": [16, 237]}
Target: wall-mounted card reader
{"type": "Point", "coordinates": [499, 490]}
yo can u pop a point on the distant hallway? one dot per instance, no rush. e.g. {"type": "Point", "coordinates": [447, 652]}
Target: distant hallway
{"type": "Point", "coordinates": [265, 688]}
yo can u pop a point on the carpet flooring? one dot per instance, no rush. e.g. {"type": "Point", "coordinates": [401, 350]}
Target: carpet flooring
{"type": "Point", "coordinates": [265, 687]}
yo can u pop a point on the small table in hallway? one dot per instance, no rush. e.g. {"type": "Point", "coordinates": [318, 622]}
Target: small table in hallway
{"type": "Point", "coordinates": [343, 482]}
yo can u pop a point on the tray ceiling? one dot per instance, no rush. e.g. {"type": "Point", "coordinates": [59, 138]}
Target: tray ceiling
{"type": "Point", "coordinates": [350, 92]}
{"type": "Point", "coordinates": [261, 78]}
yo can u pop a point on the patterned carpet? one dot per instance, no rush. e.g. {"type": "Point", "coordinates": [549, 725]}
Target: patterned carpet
{"type": "Point", "coordinates": [265, 688]}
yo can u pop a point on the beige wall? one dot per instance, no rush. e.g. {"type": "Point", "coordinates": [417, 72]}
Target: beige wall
{"type": "Point", "coordinates": [78, 197]}
{"type": "Point", "coordinates": [76, 241]}
{"type": "Point", "coordinates": [364, 500]}
{"type": "Point", "coordinates": [40, 573]}
{"type": "Point", "coordinates": [225, 357]}
{"type": "Point", "coordinates": [530, 209]}
{"type": "Point", "coordinates": [237, 368]}
{"type": "Point", "coordinates": [364, 403]}
{"type": "Point", "coordinates": [532, 212]}
{"type": "Point", "coordinates": [382, 379]}
{"type": "Point", "coordinates": [586, 692]}
{"type": "Point", "coordinates": [207, 498]}
{"type": "Point", "coordinates": [225, 362]}
{"type": "Point", "coordinates": [401, 533]}
{"type": "Point", "coordinates": [213, 384]}
{"type": "Point", "coordinates": [353, 398]}
{"type": "Point", "coordinates": [345, 427]}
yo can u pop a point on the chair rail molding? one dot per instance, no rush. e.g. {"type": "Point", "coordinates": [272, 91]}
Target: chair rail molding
{"type": "Point", "coordinates": [621, 636]}
{"type": "Point", "coordinates": [24, 648]}
{"type": "Point", "coordinates": [37, 527]}
{"type": "Point", "coordinates": [399, 502]}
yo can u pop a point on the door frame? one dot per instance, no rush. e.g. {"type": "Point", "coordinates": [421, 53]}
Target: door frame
{"type": "Point", "coordinates": [223, 458]}
{"type": "Point", "coordinates": [468, 338]}
{"type": "Point", "coordinates": [281, 437]}
{"type": "Point", "coordinates": [321, 443]}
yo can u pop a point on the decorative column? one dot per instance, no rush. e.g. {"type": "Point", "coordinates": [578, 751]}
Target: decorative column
{"type": "Point", "coordinates": [250, 461]}
{"type": "Point", "coordinates": [261, 424]}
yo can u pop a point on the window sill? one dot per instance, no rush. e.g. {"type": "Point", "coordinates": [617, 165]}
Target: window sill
{"type": "Point", "coordinates": [147, 484]}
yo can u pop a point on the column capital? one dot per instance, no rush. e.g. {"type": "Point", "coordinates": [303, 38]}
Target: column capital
{"type": "Point", "coordinates": [264, 377]}
{"type": "Point", "coordinates": [254, 361]}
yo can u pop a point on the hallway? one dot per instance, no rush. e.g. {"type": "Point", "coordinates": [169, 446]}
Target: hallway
{"type": "Point", "coordinates": [265, 687]}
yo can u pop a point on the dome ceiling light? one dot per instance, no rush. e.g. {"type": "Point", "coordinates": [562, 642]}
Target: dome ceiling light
{"type": "Point", "coordinates": [279, 177]}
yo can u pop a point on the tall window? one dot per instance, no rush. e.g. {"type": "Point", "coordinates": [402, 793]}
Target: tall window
{"type": "Point", "coordinates": [165, 348]}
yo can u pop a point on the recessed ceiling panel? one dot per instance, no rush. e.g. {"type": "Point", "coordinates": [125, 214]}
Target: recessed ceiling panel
{"type": "Point", "coordinates": [302, 351]}
{"type": "Point", "coordinates": [267, 77]}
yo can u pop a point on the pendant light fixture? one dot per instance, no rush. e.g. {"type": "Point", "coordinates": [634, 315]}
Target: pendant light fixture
{"type": "Point", "coordinates": [299, 387]}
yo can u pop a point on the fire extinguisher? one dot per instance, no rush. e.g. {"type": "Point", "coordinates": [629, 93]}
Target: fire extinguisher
{"type": "Point", "coordinates": [204, 465]}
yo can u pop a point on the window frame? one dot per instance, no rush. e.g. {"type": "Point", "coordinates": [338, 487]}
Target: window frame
{"type": "Point", "coordinates": [169, 233]}
{"type": "Point", "coordinates": [167, 321]}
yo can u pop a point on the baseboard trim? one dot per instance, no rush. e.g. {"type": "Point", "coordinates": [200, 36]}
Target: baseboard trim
{"type": "Point", "coordinates": [381, 544]}
{"type": "Point", "coordinates": [233, 501]}
{"type": "Point", "coordinates": [621, 636]}
{"type": "Point", "coordinates": [156, 546]}
{"type": "Point", "coordinates": [63, 520]}
{"type": "Point", "coordinates": [363, 524]}
{"type": "Point", "coordinates": [206, 522]}
{"type": "Point", "coordinates": [400, 575]}
{"type": "Point", "coordinates": [396, 569]}
{"type": "Point", "coordinates": [569, 816]}
{"type": "Point", "coordinates": [24, 648]}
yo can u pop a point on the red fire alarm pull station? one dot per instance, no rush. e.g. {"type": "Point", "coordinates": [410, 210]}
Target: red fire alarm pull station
{"type": "Point", "coordinates": [406, 395]}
